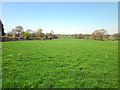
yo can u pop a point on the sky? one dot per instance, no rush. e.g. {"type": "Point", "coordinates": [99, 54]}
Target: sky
{"type": "Point", "coordinates": [61, 17]}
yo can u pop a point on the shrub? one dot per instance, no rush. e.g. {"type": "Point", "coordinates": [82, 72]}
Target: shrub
{"type": "Point", "coordinates": [90, 37]}
{"type": "Point", "coordinates": [111, 38]}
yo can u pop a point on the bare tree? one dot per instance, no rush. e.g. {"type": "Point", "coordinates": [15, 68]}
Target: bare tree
{"type": "Point", "coordinates": [18, 30]}
{"type": "Point", "coordinates": [52, 32]}
{"type": "Point", "coordinates": [98, 34]}
{"type": "Point", "coordinates": [30, 30]}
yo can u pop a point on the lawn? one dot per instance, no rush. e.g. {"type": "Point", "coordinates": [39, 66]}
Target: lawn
{"type": "Point", "coordinates": [60, 63]}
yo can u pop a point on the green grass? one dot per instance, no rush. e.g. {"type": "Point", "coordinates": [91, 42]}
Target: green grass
{"type": "Point", "coordinates": [62, 63]}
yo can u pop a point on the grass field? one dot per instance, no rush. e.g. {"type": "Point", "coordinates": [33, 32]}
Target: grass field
{"type": "Point", "coordinates": [62, 63]}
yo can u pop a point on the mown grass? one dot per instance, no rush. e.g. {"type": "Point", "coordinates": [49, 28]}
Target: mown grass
{"type": "Point", "coordinates": [63, 63]}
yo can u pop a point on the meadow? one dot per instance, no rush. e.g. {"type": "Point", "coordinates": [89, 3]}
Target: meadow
{"type": "Point", "coordinates": [60, 63]}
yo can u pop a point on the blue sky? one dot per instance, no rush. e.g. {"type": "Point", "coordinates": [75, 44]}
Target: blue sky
{"type": "Point", "coordinates": [61, 17]}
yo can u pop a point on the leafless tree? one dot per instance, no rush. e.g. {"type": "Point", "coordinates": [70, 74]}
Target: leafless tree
{"type": "Point", "coordinates": [18, 30]}
{"type": "Point", "coordinates": [98, 34]}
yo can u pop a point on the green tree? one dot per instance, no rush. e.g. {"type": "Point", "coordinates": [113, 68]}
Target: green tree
{"type": "Point", "coordinates": [111, 38]}
{"type": "Point", "coordinates": [116, 36]}
{"type": "Point", "coordinates": [31, 32]}
{"type": "Point", "coordinates": [39, 33]}
{"type": "Point", "coordinates": [1, 29]}
{"type": "Point", "coordinates": [26, 34]}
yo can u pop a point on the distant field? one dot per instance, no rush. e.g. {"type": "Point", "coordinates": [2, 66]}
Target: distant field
{"type": "Point", "coordinates": [60, 63]}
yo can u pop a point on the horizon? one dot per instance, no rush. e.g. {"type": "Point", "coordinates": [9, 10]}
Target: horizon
{"type": "Point", "coordinates": [61, 17]}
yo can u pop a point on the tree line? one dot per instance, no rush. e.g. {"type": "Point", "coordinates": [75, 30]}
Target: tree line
{"type": "Point", "coordinates": [18, 33]}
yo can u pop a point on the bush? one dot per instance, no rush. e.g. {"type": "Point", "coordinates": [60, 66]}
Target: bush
{"type": "Point", "coordinates": [25, 34]}
{"type": "Point", "coordinates": [111, 38]}
{"type": "Point", "coordinates": [90, 37]}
